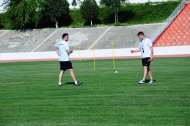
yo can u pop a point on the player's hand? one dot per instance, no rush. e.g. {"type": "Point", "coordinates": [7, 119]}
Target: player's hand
{"type": "Point", "coordinates": [132, 51]}
{"type": "Point", "coordinates": [151, 58]}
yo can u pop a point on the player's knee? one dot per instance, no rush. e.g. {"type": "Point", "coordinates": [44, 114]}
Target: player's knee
{"type": "Point", "coordinates": [61, 71]}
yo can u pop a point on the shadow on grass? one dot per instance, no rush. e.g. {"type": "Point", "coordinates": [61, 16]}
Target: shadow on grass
{"type": "Point", "coordinates": [69, 83]}
{"type": "Point", "coordinates": [72, 83]}
{"type": "Point", "coordinates": [147, 82]}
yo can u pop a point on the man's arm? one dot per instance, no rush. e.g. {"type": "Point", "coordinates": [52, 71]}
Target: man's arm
{"type": "Point", "coordinates": [69, 51]}
{"type": "Point", "coordinates": [136, 50]}
{"type": "Point", "coordinates": [57, 51]}
{"type": "Point", "coordinates": [151, 53]}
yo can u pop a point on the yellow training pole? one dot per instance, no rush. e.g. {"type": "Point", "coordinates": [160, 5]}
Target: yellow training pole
{"type": "Point", "coordinates": [94, 58]}
{"type": "Point", "coordinates": [113, 54]}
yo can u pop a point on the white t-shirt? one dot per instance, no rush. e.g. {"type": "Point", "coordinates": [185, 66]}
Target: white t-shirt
{"type": "Point", "coordinates": [145, 45]}
{"type": "Point", "coordinates": [63, 47]}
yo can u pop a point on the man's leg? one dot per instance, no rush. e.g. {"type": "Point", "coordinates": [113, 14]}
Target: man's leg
{"type": "Point", "coordinates": [150, 74]}
{"type": "Point", "coordinates": [74, 78]}
{"type": "Point", "coordinates": [144, 63]}
{"type": "Point", "coordinates": [60, 76]}
{"type": "Point", "coordinates": [145, 72]}
{"type": "Point", "coordinates": [144, 75]}
{"type": "Point", "coordinates": [73, 75]}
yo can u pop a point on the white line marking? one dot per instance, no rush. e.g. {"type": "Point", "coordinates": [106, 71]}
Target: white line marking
{"type": "Point", "coordinates": [44, 41]}
{"type": "Point", "coordinates": [91, 46]}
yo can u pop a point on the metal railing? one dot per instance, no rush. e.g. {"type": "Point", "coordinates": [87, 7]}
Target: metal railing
{"type": "Point", "coordinates": [168, 21]}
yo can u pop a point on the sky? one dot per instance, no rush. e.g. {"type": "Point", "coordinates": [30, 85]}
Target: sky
{"type": "Point", "coordinates": [1, 7]}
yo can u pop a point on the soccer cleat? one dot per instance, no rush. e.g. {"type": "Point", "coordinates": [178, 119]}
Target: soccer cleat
{"type": "Point", "coordinates": [151, 82]}
{"type": "Point", "coordinates": [78, 83]}
{"type": "Point", "coordinates": [141, 82]}
{"type": "Point", "coordinates": [59, 84]}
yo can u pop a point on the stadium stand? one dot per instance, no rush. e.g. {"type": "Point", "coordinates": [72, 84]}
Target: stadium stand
{"type": "Point", "coordinates": [40, 40]}
{"type": "Point", "coordinates": [175, 31]}
{"type": "Point", "coordinates": [16, 41]}
{"type": "Point", "coordinates": [78, 36]}
{"type": "Point", "coordinates": [126, 37]}
{"type": "Point", "coordinates": [178, 32]}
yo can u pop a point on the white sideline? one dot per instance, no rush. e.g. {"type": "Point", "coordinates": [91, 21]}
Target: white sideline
{"type": "Point", "coordinates": [88, 54]}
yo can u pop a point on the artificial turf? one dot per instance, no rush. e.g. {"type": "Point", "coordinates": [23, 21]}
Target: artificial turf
{"type": "Point", "coordinates": [29, 95]}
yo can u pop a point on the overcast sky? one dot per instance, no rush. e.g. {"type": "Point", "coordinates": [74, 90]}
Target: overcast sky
{"type": "Point", "coordinates": [1, 7]}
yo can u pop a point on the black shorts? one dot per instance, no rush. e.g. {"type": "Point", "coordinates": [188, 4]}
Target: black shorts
{"type": "Point", "coordinates": [146, 61]}
{"type": "Point", "coordinates": [65, 65]}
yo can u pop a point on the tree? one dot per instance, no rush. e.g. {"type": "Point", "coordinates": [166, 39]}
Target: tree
{"type": "Point", "coordinates": [89, 10]}
{"type": "Point", "coordinates": [74, 3]}
{"type": "Point", "coordinates": [55, 9]}
{"type": "Point", "coordinates": [1, 20]}
{"type": "Point", "coordinates": [115, 4]}
{"type": "Point", "coordinates": [23, 12]}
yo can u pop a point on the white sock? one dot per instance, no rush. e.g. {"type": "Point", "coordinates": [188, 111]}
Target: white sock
{"type": "Point", "coordinates": [75, 82]}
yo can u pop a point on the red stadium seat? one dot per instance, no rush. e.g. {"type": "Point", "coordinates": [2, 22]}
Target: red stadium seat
{"type": "Point", "coordinates": [178, 32]}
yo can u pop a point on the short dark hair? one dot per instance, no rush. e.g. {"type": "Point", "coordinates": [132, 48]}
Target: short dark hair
{"type": "Point", "coordinates": [65, 34]}
{"type": "Point", "coordinates": [140, 33]}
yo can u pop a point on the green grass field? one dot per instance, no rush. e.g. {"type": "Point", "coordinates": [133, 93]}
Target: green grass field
{"type": "Point", "coordinates": [29, 95]}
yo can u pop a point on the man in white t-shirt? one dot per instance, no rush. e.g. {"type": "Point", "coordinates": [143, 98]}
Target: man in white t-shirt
{"type": "Point", "coordinates": [146, 49]}
{"type": "Point", "coordinates": [63, 51]}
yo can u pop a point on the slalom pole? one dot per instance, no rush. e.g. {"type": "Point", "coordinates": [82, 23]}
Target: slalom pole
{"type": "Point", "coordinates": [113, 54]}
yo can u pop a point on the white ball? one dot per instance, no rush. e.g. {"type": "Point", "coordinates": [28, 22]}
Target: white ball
{"type": "Point", "coordinates": [116, 72]}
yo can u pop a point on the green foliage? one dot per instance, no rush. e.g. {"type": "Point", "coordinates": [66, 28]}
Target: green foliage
{"type": "Point", "coordinates": [148, 13]}
{"type": "Point", "coordinates": [112, 3]}
{"type": "Point", "coordinates": [4, 22]}
{"type": "Point", "coordinates": [22, 13]}
{"type": "Point", "coordinates": [1, 21]}
{"type": "Point", "coordinates": [89, 10]}
{"type": "Point", "coordinates": [78, 21]}
{"type": "Point", "coordinates": [28, 13]}
{"type": "Point", "coordinates": [128, 14]}
{"type": "Point", "coordinates": [56, 9]}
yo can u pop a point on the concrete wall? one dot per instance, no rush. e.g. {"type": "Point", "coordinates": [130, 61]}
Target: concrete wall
{"type": "Point", "coordinates": [173, 51]}
{"type": "Point", "coordinates": [43, 40]}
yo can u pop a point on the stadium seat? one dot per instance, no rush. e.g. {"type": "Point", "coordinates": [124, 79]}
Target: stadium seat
{"type": "Point", "coordinates": [178, 32]}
